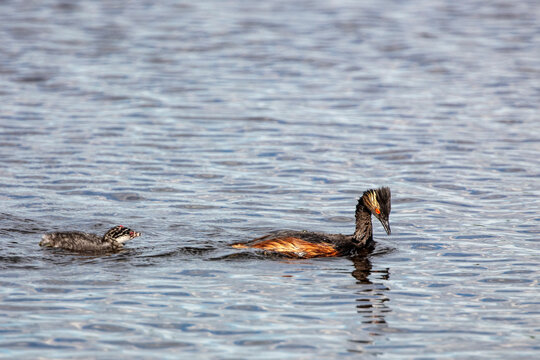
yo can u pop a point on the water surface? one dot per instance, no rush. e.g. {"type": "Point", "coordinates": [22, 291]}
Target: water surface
{"type": "Point", "coordinates": [205, 123]}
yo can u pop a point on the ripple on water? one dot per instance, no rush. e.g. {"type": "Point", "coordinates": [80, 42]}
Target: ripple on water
{"type": "Point", "coordinates": [103, 327]}
{"type": "Point", "coordinates": [157, 345]}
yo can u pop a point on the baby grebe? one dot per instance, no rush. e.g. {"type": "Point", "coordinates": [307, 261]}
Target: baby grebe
{"type": "Point", "coordinates": [304, 244]}
{"type": "Point", "coordinates": [113, 240]}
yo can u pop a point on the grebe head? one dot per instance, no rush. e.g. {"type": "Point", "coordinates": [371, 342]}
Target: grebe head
{"type": "Point", "coordinates": [120, 234]}
{"type": "Point", "coordinates": [378, 202]}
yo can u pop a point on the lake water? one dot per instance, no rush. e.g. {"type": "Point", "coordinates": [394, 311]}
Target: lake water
{"type": "Point", "coordinates": [205, 123]}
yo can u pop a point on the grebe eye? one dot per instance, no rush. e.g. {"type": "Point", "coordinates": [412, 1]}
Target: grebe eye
{"type": "Point", "coordinates": [377, 211]}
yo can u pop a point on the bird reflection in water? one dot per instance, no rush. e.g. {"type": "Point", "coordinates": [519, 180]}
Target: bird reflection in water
{"type": "Point", "coordinates": [372, 300]}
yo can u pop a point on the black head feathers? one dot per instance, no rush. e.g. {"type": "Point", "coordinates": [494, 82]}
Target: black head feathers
{"type": "Point", "coordinates": [378, 202]}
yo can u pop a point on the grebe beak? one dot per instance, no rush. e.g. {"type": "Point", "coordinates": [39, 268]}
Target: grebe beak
{"type": "Point", "coordinates": [386, 224]}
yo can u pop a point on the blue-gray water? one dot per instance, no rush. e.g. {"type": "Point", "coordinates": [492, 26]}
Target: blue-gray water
{"type": "Point", "coordinates": [209, 122]}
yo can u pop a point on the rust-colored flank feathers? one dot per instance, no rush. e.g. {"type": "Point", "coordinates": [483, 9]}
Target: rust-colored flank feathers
{"type": "Point", "coordinates": [294, 247]}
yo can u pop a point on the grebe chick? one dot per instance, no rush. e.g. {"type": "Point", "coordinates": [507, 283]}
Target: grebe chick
{"type": "Point", "coordinates": [304, 244]}
{"type": "Point", "coordinates": [113, 240]}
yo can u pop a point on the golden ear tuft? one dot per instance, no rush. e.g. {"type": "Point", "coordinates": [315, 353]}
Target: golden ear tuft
{"type": "Point", "coordinates": [373, 199]}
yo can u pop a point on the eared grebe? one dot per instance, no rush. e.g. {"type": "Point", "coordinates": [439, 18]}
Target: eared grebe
{"type": "Point", "coordinates": [304, 244]}
{"type": "Point", "coordinates": [113, 240]}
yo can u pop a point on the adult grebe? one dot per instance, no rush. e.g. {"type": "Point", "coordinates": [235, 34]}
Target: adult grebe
{"type": "Point", "coordinates": [305, 244]}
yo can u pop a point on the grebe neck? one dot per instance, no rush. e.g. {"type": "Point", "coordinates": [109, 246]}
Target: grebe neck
{"type": "Point", "coordinates": [363, 234]}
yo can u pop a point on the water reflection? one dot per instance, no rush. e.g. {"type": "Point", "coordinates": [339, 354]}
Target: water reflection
{"type": "Point", "coordinates": [372, 300]}
{"type": "Point", "coordinates": [371, 303]}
